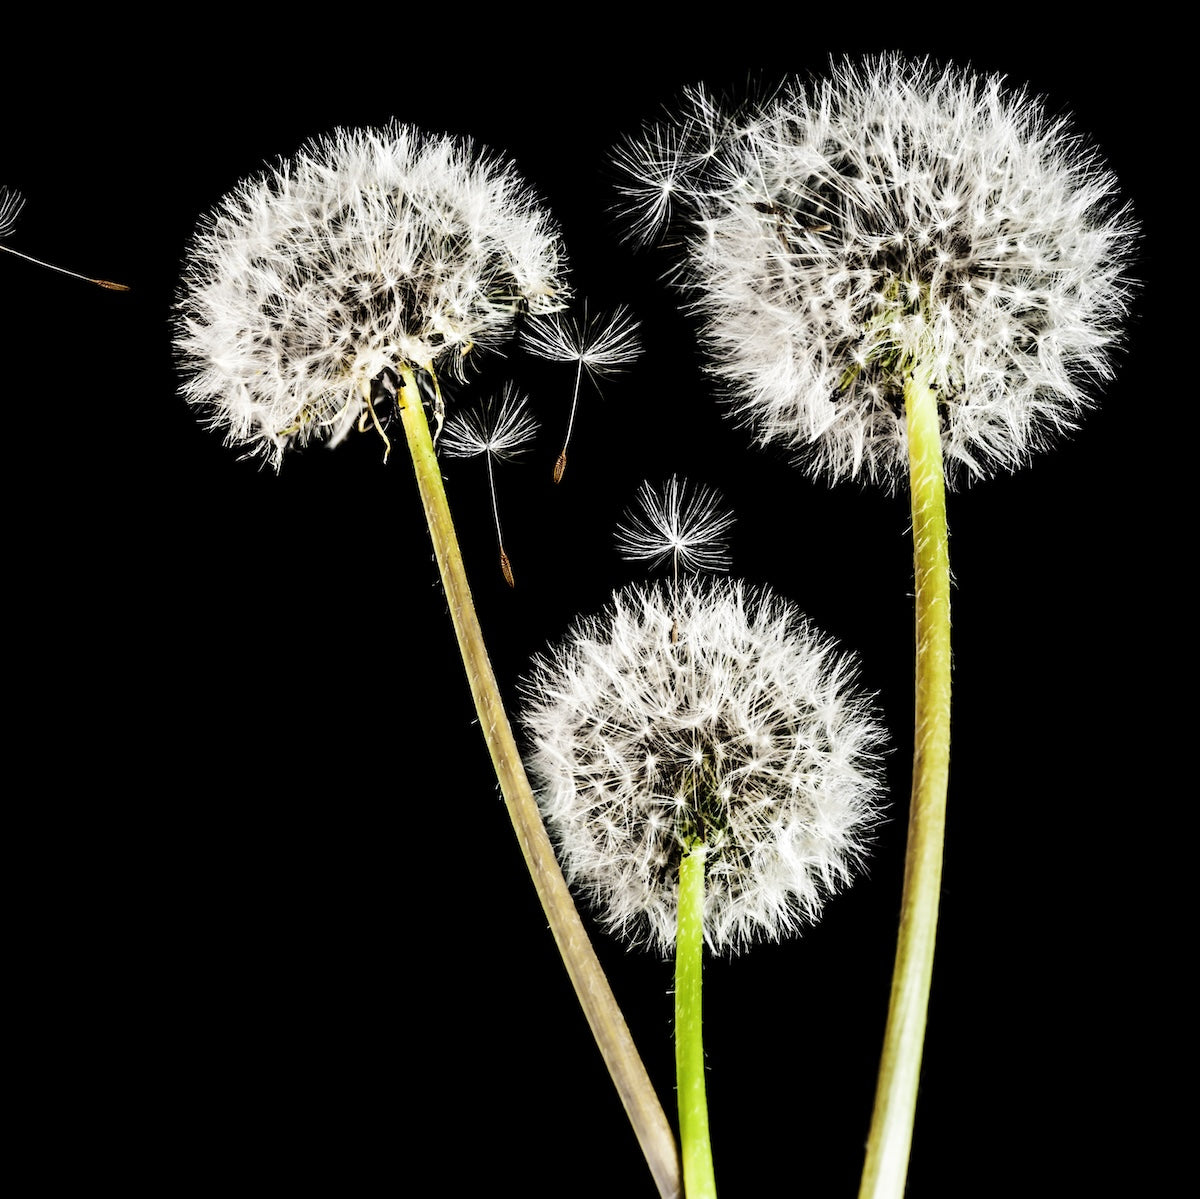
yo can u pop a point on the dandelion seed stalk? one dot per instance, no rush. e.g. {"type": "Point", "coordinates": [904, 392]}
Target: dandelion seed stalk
{"type": "Point", "coordinates": [11, 203]}
{"type": "Point", "coordinates": [601, 346]}
{"type": "Point", "coordinates": [499, 430]}
{"type": "Point", "coordinates": [891, 1131]}
{"type": "Point", "coordinates": [560, 463]}
{"type": "Point", "coordinates": [695, 1145]}
{"type": "Point", "coordinates": [595, 996]}
{"type": "Point", "coordinates": [505, 566]}
{"type": "Point", "coordinates": [107, 284]}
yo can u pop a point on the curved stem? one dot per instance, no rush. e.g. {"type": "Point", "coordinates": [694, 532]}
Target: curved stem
{"type": "Point", "coordinates": [591, 986]}
{"type": "Point", "coordinates": [896, 1095]}
{"type": "Point", "coordinates": [698, 1179]}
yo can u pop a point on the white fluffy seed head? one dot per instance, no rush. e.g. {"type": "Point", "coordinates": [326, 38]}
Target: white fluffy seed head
{"type": "Point", "coordinates": [370, 249]}
{"type": "Point", "coordinates": [750, 732]}
{"type": "Point", "coordinates": [897, 215]}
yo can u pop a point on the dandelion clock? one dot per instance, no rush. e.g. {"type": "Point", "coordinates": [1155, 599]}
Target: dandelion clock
{"type": "Point", "coordinates": [912, 277]}
{"type": "Point", "coordinates": [707, 765]}
{"type": "Point", "coordinates": [336, 292]}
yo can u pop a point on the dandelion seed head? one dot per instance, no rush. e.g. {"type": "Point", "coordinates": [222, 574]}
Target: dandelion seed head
{"type": "Point", "coordinates": [750, 732]}
{"type": "Point", "coordinates": [680, 521]}
{"type": "Point", "coordinates": [370, 249]}
{"type": "Point", "coordinates": [897, 214]}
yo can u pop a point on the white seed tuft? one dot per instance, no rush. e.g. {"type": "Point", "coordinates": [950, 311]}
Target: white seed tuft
{"type": "Point", "coordinates": [502, 427]}
{"type": "Point", "coordinates": [749, 732]}
{"type": "Point", "coordinates": [680, 521]}
{"type": "Point", "coordinates": [602, 344]}
{"type": "Point", "coordinates": [11, 203]}
{"type": "Point", "coordinates": [894, 215]}
{"type": "Point", "coordinates": [367, 251]}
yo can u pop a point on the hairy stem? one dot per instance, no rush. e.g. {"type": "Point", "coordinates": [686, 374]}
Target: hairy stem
{"type": "Point", "coordinates": [698, 1179]}
{"type": "Point", "coordinates": [890, 1137]}
{"type": "Point", "coordinates": [591, 986]}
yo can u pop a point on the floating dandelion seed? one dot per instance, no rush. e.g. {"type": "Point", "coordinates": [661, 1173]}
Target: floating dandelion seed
{"type": "Point", "coordinates": [499, 429]}
{"type": "Point", "coordinates": [685, 523]}
{"type": "Point", "coordinates": [652, 164]}
{"type": "Point", "coordinates": [680, 521]}
{"type": "Point", "coordinates": [663, 167]}
{"type": "Point", "coordinates": [11, 203]}
{"type": "Point", "coordinates": [600, 346]}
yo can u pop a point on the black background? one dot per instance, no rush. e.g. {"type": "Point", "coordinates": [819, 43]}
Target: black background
{"type": "Point", "coordinates": [270, 926]}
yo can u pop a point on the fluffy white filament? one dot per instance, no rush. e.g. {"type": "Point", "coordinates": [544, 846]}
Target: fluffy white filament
{"type": "Point", "coordinates": [749, 732]}
{"type": "Point", "coordinates": [602, 344]}
{"type": "Point", "coordinates": [367, 250]}
{"type": "Point", "coordinates": [677, 521]}
{"type": "Point", "coordinates": [501, 426]}
{"type": "Point", "coordinates": [11, 203]}
{"type": "Point", "coordinates": [893, 214]}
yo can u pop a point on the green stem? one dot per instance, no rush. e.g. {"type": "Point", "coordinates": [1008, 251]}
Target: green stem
{"type": "Point", "coordinates": [890, 1137]}
{"type": "Point", "coordinates": [591, 986]}
{"type": "Point", "coordinates": [698, 1179]}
